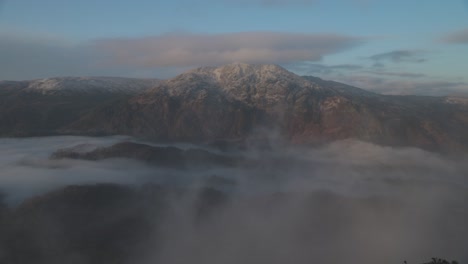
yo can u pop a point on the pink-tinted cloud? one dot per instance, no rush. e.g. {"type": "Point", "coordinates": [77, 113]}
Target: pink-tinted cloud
{"type": "Point", "coordinates": [30, 56]}
{"type": "Point", "coordinates": [182, 50]}
{"type": "Point", "coordinates": [458, 37]}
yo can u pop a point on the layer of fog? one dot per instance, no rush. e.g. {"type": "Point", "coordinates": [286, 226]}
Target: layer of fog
{"type": "Point", "coordinates": [347, 201]}
{"type": "Point", "coordinates": [26, 168]}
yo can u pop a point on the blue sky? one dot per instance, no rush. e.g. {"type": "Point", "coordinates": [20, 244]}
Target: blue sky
{"type": "Point", "coordinates": [388, 46]}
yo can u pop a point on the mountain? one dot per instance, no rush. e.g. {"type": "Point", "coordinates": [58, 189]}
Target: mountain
{"type": "Point", "coordinates": [241, 101]}
{"type": "Point", "coordinates": [101, 223]}
{"type": "Point", "coordinates": [42, 107]}
{"type": "Point", "coordinates": [171, 157]}
{"type": "Point", "coordinates": [232, 103]}
{"type": "Point", "coordinates": [90, 85]}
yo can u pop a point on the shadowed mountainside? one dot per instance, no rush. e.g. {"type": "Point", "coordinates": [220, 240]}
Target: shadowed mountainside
{"type": "Point", "coordinates": [41, 107]}
{"type": "Point", "coordinates": [103, 223]}
{"type": "Point", "coordinates": [108, 223]}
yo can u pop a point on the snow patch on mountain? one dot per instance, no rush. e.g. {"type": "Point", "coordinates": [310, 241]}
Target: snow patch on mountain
{"type": "Point", "coordinates": [250, 83]}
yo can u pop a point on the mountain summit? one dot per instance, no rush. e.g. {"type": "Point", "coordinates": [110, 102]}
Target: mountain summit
{"type": "Point", "coordinates": [238, 72]}
{"type": "Point", "coordinates": [249, 83]}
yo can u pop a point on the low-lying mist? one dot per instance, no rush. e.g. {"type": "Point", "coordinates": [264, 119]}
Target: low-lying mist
{"type": "Point", "coordinates": [347, 201]}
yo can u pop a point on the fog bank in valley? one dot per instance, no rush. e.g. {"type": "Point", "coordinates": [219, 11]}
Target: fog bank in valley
{"type": "Point", "coordinates": [347, 201]}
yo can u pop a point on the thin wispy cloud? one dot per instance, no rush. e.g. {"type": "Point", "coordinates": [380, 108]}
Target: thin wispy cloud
{"type": "Point", "coordinates": [391, 86]}
{"type": "Point", "coordinates": [398, 56]}
{"type": "Point", "coordinates": [322, 69]}
{"type": "Point", "coordinates": [398, 74]}
{"type": "Point", "coordinates": [458, 37]}
{"type": "Point", "coordinates": [384, 81]}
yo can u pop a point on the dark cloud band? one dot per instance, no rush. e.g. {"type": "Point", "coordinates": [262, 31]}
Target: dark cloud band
{"type": "Point", "coordinates": [398, 56]}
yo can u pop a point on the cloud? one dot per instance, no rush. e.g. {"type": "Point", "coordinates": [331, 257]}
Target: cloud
{"type": "Point", "coordinates": [378, 65]}
{"type": "Point", "coordinates": [432, 88]}
{"type": "Point", "coordinates": [35, 56]}
{"type": "Point", "coordinates": [181, 50]}
{"type": "Point", "coordinates": [30, 56]}
{"type": "Point", "coordinates": [26, 55]}
{"type": "Point", "coordinates": [398, 56]}
{"type": "Point", "coordinates": [307, 68]}
{"type": "Point", "coordinates": [459, 37]}
{"type": "Point", "coordinates": [25, 167]}
{"type": "Point", "coordinates": [404, 87]}
{"type": "Point", "coordinates": [348, 201]}
{"type": "Point", "coordinates": [350, 67]}
{"type": "Point", "coordinates": [398, 74]}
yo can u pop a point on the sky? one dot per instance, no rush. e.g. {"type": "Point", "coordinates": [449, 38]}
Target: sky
{"type": "Point", "coordinates": [392, 47]}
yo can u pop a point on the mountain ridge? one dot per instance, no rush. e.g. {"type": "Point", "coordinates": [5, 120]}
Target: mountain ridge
{"type": "Point", "coordinates": [43, 106]}
{"type": "Point", "coordinates": [91, 84]}
{"type": "Point", "coordinates": [236, 101]}
{"type": "Point", "coordinates": [232, 101]}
